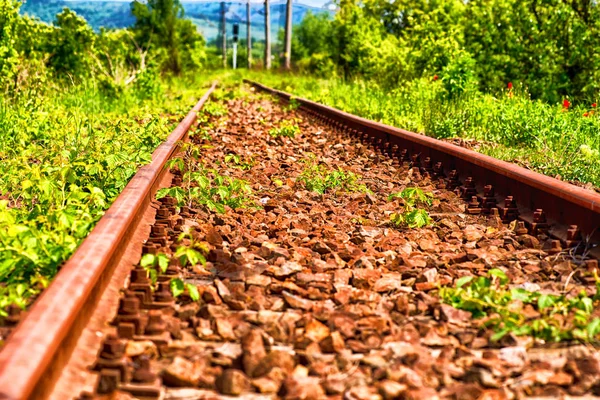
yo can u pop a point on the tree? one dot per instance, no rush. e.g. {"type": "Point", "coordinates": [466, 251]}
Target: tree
{"type": "Point", "coordinates": [9, 14]}
{"type": "Point", "coordinates": [160, 25]}
{"type": "Point", "coordinates": [71, 45]}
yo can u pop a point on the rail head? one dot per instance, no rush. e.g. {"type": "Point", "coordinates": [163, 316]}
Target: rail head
{"type": "Point", "coordinates": [33, 347]}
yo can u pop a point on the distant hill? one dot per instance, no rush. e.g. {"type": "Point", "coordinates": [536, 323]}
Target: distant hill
{"type": "Point", "coordinates": [206, 15]}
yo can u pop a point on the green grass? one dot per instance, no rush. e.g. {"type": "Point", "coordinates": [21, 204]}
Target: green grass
{"type": "Point", "coordinates": [544, 137]}
{"type": "Point", "coordinates": [65, 155]}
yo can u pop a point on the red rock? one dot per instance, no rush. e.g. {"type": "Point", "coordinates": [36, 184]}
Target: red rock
{"type": "Point", "coordinates": [296, 301]}
{"type": "Point", "coordinates": [391, 390]}
{"type": "Point", "coordinates": [233, 382]}
{"type": "Point", "coordinates": [275, 359]}
{"type": "Point", "coordinates": [303, 388]}
{"type": "Point", "coordinates": [266, 385]}
{"type": "Point", "coordinates": [316, 331]}
{"type": "Point", "coordinates": [334, 343]}
{"type": "Point", "coordinates": [365, 278]}
{"type": "Point", "coordinates": [362, 393]}
{"type": "Point", "coordinates": [182, 373]}
{"type": "Point", "coordinates": [253, 351]}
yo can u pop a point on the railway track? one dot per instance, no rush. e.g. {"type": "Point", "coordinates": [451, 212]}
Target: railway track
{"type": "Point", "coordinates": [310, 294]}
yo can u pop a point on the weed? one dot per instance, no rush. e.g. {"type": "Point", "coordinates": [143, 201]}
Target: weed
{"type": "Point", "coordinates": [287, 128]}
{"type": "Point", "coordinates": [215, 109]}
{"type": "Point", "coordinates": [152, 262]}
{"type": "Point", "coordinates": [206, 187]}
{"type": "Point", "coordinates": [292, 105]}
{"type": "Point", "coordinates": [318, 178]}
{"type": "Point", "coordinates": [413, 216]}
{"type": "Point", "coordinates": [193, 252]}
{"type": "Point", "coordinates": [237, 162]}
{"type": "Point", "coordinates": [549, 317]}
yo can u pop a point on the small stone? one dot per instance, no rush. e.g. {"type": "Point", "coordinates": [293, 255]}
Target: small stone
{"type": "Point", "coordinates": [334, 343]}
{"type": "Point", "coordinates": [136, 348]}
{"type": "Point", "coordinates": [307, 387]}
{"type": "Point", "coordinates": [369, 231]}
{"type": "Point", "coordinates": [232, 382]}
{"type": "Point", "coordinates": [297, 301]}
{"type": "Point", "coordinates": [222, 290]}
{"type": "Point", "coordinates": [390, 390]}
{"type": "Point", "coordinates": [427, 245]}
{"type": "Point", "coordinates": [275, 359]}
{"type": "Point", "coordinates": [402, 374]}
{"type": "Point", "coordinates": [266, 385]}
{"type": "Point", "coordinates": [363, 262]}
{"type": "Point", "coordinates": [321, 248]}
{"type": "Point", "coordinates": [389, 284]}
{"type": "Point", "coordinates": [472, 233]}
{"type": "Point", "coordinates": [253, 350]}
{"type": "Point", "coordinates": [181, 373]}
{"type": "Point", "coordinates": [286, 269]}
{"type": "Point", "coordinates": [335, 384]}
{"type": "Point", "coordinates": [454, 315]}
{"type": "Point", "coordinates": [316, 331]}
{"type": "Point", "coordinates": [362, 393]}
{"type": "Point", "coordinates": [225, 329]}
{"type": "Point", "coordinates": [365, 278]}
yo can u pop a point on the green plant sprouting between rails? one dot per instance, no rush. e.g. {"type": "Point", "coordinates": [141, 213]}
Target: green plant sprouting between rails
{"type": "Point", "coordinates": [286, 128]}
{"type": "Point", "coordinates": [214, 109]}
{"type": "Point", "coordinates": [514, 310]}
{"type": "Point", "coordinates": [413, 216]}
{"type": "Point", "coordinates": [318, 178]}
{"type": "Point", "coordinates": [292, 105]}
{"type": "Point", "coordinates": [237, 162]}
{"type": "Point", "coordinates": [191, 253]}
{"type": "Point", "coordinates": [205, 186]}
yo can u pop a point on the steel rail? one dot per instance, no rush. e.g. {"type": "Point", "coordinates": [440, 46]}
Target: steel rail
{"type": "Point", "coordinates": [39, 346]}
{"type": "Point", "coordinates": [563, 204]}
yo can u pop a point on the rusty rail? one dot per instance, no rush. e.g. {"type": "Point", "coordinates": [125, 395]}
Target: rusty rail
{"type": "Point", "coordinates": [37, 349]}
{"type": "Point", "coordinates": [571, 213]}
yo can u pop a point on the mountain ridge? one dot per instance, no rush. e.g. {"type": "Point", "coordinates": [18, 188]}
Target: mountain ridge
{"type": "Point", "coordinates": [205, 15]}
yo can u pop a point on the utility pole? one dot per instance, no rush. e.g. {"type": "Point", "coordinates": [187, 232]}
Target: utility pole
{"type": "Point", "coordinates": [249, 36]}
{"type": "Point", "coordinates": [287, 63]}
{"type": "Point", "coordinates": [224, 34]}
{"type": "Point", "coordinates": [236, 32]}
{"type": "Point", "coordinates": [267, 35]}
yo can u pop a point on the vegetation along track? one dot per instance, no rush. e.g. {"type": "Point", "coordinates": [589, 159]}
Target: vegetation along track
{"type": "Point", "coordinates": [289, 258]}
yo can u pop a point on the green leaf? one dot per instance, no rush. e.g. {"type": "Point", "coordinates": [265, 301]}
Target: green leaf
{"type": "Point", "coordinates": [593, 328]}
{"type": "Point", "coordinates": [147, 260]}
{"type": "Point", "coordinates": [177, 287]}
{"type": "Point", "coordinates": [498, 273]}
{"type": "Point", "coordinates": [193, 291]}
{"type": "Point", "coordinates": [163, 262]}
{"type": "Point", "coordinates": [545, 301]}
{"type": "Point", "coordinates": [460, 282]}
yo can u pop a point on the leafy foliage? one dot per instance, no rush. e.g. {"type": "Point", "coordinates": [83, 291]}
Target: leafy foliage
{"type": "Point", "coordinates": [205, 186]}
{"type": "Point", "coordinates": [521, 312]}
{"type": "Point", "coordinates": [413, 216]}
{"type": "Point", "coordinates": [318, 178]}
{"type": "Point", "coordinates": [549, 47]}
{"type": "Point", "coordinates": [237, 162]}
{"type": "Point", "coordinates": [287, 128]}
{"type": "Point", "coordinates": [160, 25]}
